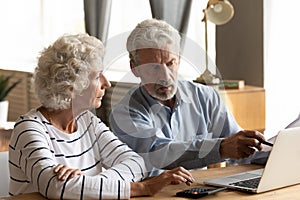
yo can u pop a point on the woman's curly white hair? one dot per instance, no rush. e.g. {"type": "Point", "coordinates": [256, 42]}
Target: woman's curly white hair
{"type": "Point", "coordinates": [64, 67]}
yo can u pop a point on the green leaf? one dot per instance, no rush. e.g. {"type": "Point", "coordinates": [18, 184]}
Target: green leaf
{"type": "Point", "coordinates": [5, 88]}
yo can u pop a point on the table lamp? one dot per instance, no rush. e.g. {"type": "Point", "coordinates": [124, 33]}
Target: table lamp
{"type": "Point", "coordinates": [218, 12]}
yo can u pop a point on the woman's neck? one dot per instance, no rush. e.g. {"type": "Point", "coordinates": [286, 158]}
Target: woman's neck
{"type": "Point", "coordinates": [63, 120]}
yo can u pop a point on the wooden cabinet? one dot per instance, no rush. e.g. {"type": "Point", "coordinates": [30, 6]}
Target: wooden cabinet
{"type": "Point", "coordinates": [247, 106]}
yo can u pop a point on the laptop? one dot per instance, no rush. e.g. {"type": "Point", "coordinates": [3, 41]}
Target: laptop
{"type": "Point", "coordinates": [281, 170]}
{"type": "Point", "coordinates": [261, 157]}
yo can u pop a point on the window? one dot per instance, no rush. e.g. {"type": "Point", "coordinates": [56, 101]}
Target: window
{"type": "Point", "coordinates": [193, 59]}
{"type": "Point", "coordinates": [28, 26]}
{"type": "Point", "coordinates": [33, 24]}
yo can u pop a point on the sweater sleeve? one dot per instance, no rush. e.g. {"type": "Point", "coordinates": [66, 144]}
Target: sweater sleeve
{"type": "Point", "coordinates": [118, 159]}
{"type": "Point", "coordinates": [32, 161]}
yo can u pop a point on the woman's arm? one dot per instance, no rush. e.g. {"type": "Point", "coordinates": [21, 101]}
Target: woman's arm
{"type": "Point", "coordinates": [151, 186]}
{"type": "Point", "coordinates": [120, 161]}
{"type": "Point", "coordinates": [147, 187]}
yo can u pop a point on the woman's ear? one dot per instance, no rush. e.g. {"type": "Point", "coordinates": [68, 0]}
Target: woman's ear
{"type": "Point", "coordinates": [71, 93]}
{"type": "Point", "coordinates": [134, 68]}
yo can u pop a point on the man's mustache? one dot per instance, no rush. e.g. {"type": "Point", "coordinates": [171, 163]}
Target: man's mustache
{"type": "Point", "coordinates": [165, 83]}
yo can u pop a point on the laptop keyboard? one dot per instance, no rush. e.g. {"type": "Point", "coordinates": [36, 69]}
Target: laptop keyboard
{"type": "Point", "coordinates": [250, 183]}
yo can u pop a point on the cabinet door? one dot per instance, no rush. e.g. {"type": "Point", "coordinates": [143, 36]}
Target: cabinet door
{"type": "Point", "coordinates": [247, 106]}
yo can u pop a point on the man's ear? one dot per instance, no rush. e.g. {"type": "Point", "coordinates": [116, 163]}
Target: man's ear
{"type": "Point", "coordinates": [134, 68]}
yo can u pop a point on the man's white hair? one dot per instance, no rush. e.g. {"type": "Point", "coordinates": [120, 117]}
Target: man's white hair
{"type": "Point", "coordinates": [153, 33]}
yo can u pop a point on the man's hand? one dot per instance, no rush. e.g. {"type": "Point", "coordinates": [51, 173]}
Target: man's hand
{"type": "Point", "coordinates": [241, 145]}
{"type": "Point", "coordinates": [63, 172]}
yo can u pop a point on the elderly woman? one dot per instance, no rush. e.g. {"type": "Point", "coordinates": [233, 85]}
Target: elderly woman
{"type": "Point", "coordinates": [60, 148]}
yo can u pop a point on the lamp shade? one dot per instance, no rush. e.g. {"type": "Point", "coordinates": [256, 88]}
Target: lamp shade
{"type": "Point", "coordinates": [219, 11]}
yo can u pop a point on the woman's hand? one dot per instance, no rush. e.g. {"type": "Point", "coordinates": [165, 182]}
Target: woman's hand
{"type": "Point", "coordinates": [151, 186]}
{"type": "Point", "coordinates": [63, 172]}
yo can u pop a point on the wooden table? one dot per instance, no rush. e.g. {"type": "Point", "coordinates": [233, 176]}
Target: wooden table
{"type": "Point", "coordinates": [168, 193]}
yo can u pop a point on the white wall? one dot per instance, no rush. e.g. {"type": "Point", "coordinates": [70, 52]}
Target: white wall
{"type": "Point", "coordinates": [281, 63]}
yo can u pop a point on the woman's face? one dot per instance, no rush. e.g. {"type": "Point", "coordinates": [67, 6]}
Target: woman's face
{"type": "Point", "coordinates": [91, 97]}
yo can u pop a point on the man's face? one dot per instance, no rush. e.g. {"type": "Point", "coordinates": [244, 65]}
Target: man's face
{"type": "Point", "coordinates": [158, 70]}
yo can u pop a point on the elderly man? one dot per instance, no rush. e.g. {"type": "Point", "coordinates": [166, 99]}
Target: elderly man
{"type": "Point", "coordinates": [173, 122]}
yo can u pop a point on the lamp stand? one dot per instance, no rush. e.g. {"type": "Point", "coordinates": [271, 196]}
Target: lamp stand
{"type": "Point", "coordinates": [207, 77]}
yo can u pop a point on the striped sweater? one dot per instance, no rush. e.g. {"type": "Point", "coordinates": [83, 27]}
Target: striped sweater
{"type": "Point", "coordinates": [36, 147]}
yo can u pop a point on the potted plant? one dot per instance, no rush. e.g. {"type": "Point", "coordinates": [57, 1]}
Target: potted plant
{"type": "Point", "coordinates": [5, 88]}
